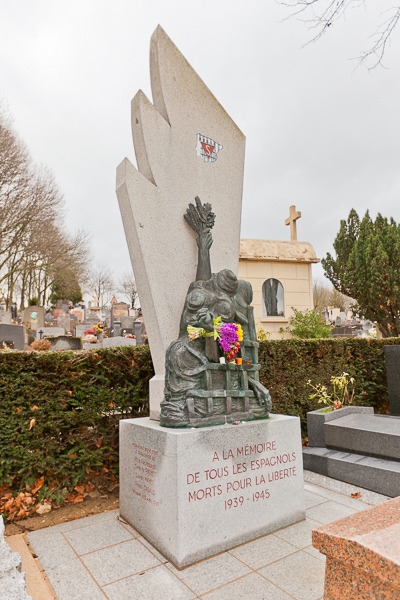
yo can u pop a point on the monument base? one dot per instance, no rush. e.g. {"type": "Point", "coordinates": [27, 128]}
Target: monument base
{"type": "Point", "coordinates": [156, 395]}
{"type": "Point", "coordinates": [195, 492]}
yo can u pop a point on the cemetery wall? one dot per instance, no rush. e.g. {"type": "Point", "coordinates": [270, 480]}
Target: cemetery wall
{"type": "Point", "coordinates": [59, 411]}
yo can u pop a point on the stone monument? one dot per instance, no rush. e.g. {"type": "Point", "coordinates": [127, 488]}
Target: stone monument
{"type": "Point", "coordinates": [186, 145]}
{"type": "Point", "coordinates": [194, 492]}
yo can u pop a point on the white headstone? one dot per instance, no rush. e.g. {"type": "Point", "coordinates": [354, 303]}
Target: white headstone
{"type": "Point", "coordinates": [186, 145]}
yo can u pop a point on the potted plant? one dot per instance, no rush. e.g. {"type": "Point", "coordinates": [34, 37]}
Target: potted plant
{"type": "Point", "coordinates": [338, 403]}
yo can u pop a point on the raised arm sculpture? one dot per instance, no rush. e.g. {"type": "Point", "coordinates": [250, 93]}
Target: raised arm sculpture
{"type": "Point", "coordinates": [204, 384]}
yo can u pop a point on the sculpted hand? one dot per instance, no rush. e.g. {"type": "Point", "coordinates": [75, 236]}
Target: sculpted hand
{"type": "Point", "coordinates": [205, 319]}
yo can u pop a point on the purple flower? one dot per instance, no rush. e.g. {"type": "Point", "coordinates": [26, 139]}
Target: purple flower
{"type": "Point", "coordinates": [228, 335]}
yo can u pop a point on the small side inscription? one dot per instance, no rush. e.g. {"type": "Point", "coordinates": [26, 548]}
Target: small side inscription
{"type": "Point", "coordinates": [145, 472]}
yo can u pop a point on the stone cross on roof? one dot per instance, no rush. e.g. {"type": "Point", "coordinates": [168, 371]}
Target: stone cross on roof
{"type": "Point", "coordinates": [291, 220]}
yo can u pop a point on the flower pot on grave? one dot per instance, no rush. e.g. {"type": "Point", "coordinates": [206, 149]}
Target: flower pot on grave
{"type": "Point", "coordinates": [316, 420]}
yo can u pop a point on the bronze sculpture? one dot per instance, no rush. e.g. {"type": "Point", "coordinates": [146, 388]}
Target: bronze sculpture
{"type": "Point", "coordinates": [203, 386]}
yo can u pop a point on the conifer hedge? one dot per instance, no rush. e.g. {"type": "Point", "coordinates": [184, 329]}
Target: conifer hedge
{"type": "Point", "coordinates": [59, 411]}
{"type": "Point", "coordinates": [287, 365]}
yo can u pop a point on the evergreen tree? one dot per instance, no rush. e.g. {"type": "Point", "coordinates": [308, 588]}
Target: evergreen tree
{"type": "Point", "coordinates": [367, 268]}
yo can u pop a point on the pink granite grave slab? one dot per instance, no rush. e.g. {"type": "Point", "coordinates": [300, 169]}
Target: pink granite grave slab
{"type": "Point", "coordinates": [363, 554]}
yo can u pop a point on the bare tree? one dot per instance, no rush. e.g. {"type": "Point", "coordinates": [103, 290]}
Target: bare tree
{"type": "Point", "coordinates": [339, 300]}
{"type": "Point", "coordinates": [325, 295]}
{"type": "Point", "coordinates": [321, 293]}
{"type": "Point", "coordinates": [320, 15]}
{"type": "Point", "coordinates": [34, 248]}
{"type": "Point", "coordinates": [15, 175]}
{"type": "Point", "coordinates": [127, 287]}
{"type": "Point", "coordinates": [100, 284]}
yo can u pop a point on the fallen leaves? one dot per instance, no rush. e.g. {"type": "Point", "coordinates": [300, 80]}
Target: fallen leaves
{"type": "Point", "coordinates": [81, 491]}
{"type": "Point", "coordinates": [44, 496]}
{"type": "Point", "coordinates": [356, 495]}
{"type": "Point", "coordinates": [32, 423]}
{"type": "Point", "coordinates": [39, 483]}
{"type": "Point", "coordinates": [18, 507]}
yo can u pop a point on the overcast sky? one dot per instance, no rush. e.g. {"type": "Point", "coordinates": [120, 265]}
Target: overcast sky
{"type": "Point", "coordinates": [320, 133]}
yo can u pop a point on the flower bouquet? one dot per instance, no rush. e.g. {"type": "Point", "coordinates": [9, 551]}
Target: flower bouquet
{"type": "Point", "coordinates": [228, 336]}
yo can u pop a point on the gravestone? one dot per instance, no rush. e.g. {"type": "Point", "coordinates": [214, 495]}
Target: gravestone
{"type": "Point", "coordinates": [392, 360]}
{"type": "Point", "coordinates": [79, 313]}
{"type": "Point", "coordinates": [342, 332]}
{"type": "Point", "coordinates": [186, 145]}
{"type": "Point", "coordinates": [33, 317]}
{"type": "Point", "coordinates": [48, 318]}
{"type": "Point", "coordinates": [119, 310]}
{"type": "Point", "coordinates": [80, 330]}
{"type": "Point", "coordinates": [65, 342]}
{"type": "Point", "coordinates": [92, 345]}
{"type": "Point", "coordinates": [64, 320]}
{"type": "Point", "coordinates": [50, 332]}
{"type": "Point", "coordinates": [127, 324]}
{"type": "Point", "coordinates": [5, 317]}
{"type": "Point", "coordinates": [194, 492]}
{"type": "Point", "coordinates": [116, 330]}
{"type": "Point", "coordinates": [13, 336]}
{"type": "Point", "coordinates": [118, 341]}
{"type": "Point", "coordinates": [90, 320]}
{"type": "Point", "coordinates": [137, 328]}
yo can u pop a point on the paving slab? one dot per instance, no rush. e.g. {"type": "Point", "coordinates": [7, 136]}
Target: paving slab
{"type": "Point", "coordinates": [262, 552]}
{"type": "Point", "coordinates": [153, 584]}
{"type": "Point", "coordinates": [97, 536]}
{"type": "Point", "coordinates": [119, 561]}
{"type": "Point", "coordinates": [211, 573]}
{"type": "Point", "coordinates": [330, 511]}
{"type": "Point", "coordinates": [103, 558]}
{"type": "Point", "coordinates": [299, 574]}
{"type": "Point", "coordinates": [251, 586]}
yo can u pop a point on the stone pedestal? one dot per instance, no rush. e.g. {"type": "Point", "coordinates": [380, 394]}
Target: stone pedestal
{"type": "Point", "coordinates": [195, 492]}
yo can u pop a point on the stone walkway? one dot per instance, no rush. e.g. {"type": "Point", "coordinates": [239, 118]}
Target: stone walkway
{"type": "Point", "coordinates": [102, 557]}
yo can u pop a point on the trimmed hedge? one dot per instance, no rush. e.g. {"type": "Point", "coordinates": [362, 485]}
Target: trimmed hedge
{"type": "Point", "coordinates": [59, 411]}
{"type": "Point", "coordinates": [287, 365]}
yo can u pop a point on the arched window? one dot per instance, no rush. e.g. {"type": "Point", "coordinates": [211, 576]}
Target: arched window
{"type": "Point", "coordinates": [272, 292]}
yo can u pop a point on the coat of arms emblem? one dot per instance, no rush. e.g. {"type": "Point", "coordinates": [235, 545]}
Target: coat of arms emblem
{"type": "Point", "coordinates": [207, 148]}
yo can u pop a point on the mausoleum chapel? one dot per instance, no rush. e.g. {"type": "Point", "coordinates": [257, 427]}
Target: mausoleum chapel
{"type": "Point", "coordinates": [280, 273]}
